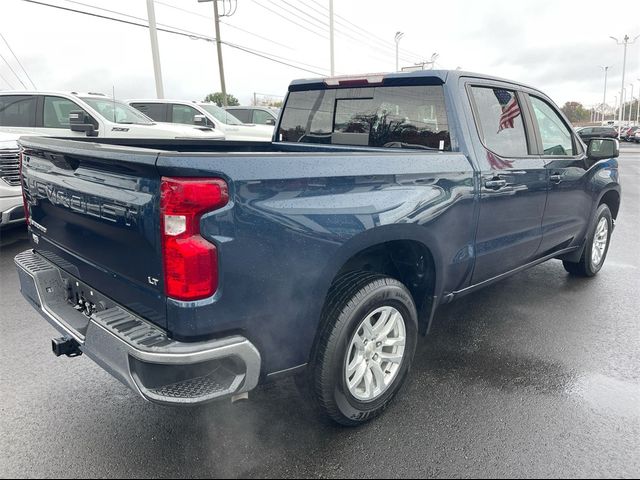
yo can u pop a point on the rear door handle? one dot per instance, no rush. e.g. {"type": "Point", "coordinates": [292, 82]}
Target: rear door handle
{"type": "Point", "coordinates": [495, 183]}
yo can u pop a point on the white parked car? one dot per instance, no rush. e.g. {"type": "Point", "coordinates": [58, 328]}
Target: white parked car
{"type": "Point", "coordinates": [203, 114]}
{"type": "Point", "coordinates": [96, 115]}
{"type": "Point", "coordinates": [255, 114]}
{"type": "Point", "coordinates": [11, 207]}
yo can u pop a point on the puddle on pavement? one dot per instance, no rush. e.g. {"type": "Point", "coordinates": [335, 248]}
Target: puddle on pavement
{"type": "Point", "coordinates": [615, 396]}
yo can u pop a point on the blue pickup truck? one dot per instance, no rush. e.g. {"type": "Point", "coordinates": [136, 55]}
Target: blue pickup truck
{"type": "Point", "coordinates": [196, 270]}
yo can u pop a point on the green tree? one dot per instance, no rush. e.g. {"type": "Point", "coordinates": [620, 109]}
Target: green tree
{"type": "Point", "coordinates": [576, 112]}
{"type": "Point", "coordinates": [217, 99]}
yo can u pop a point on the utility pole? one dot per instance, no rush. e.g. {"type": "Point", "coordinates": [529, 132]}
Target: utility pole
{"type": "Point", "coordinates": [331, 41]}
{"type": "Point", "coordinates": [398, 37]}
{"type": "Point", "coordinates": [625, 42]}
{"type": "Point", "coordinates": [216, 16]}
{"type": "Point", "coordinates": [604, 99]}
{"type": "Point", "coordinates": [631, 105]}
{"type": "Point", "coordinates": [638, 107]}
{"type": "Point", "coordinates": [155, 51]}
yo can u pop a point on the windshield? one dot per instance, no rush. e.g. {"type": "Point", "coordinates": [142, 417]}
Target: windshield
{"type": "Point", "coordinates": [220, 114]}
{"type": "Point", "coordinates": [117, 112]}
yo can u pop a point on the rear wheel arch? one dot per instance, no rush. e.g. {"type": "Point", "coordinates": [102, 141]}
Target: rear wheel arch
{"type": "Point", "coordinates": [410, 261]}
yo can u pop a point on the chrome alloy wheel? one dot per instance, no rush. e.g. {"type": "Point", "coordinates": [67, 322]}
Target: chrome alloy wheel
{"type": "Point", "coordinates": [375, 354]}
{"type": "Point", "coordinates": [600, 240]}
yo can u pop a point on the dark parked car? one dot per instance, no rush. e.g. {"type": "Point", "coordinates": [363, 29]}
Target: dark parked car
{"type": "Point", "coordinates": [196, 270]}
{"type": "Point", "coordinates": [587, 133]}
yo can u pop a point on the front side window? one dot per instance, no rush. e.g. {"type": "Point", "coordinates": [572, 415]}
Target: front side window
{"type": "Point", "coordinates": [500, 121]}
{"type": "Point", "coordinates": [392, 117]}
{"type": "Point", "coordinates": [556, 136]}
{"type": "Point", "coordinates": [220, 114]}
{"type": "Point", "coordinates": [117, 112]}
{"type": "Point", "coordinates": [261, 117]}
{"type": "Point", "coordinates": [184, 114]}
{"type": "Point", "coordinates": [57, 110]}
{"type": "Point", "coordinates": [18, 111]}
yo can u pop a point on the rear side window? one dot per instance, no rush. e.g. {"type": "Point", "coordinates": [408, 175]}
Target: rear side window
{"type": "Point", "coordinates": [155, 111]}
{"type": "Point", "coordinates": [18, 111]}
{"type": "Point", "coordinates": [56, 112]}
{"type": "Point", "coordinates": [556, 136]}
{"type": "Point", "coordinates": [499, 119]}
{"type": "Point", "coordinates": [241, 114]}
{"type": "Point", "coordinates": [393, 117]}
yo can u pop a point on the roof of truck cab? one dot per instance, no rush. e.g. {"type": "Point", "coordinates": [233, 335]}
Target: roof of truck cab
{"type": "Point", "coordinates": [53, 92]}
{"type": "Point", "coordinates": [420, 77]}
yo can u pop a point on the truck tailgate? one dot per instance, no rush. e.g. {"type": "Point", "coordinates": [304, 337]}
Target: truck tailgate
{"type": "Point", "coordinates": [94, 213]}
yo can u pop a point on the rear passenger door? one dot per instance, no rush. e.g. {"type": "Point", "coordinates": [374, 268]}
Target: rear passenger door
{"type": "Point", "coordinates": [569, 203]}
{"type": "Point", "coordinates": [513, 181]}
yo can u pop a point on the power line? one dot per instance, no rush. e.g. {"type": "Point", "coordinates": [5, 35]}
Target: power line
{"type": "Point", "coordinates": [315, 19]}
{"type": "Point", "coordinates": [291, 21]}
{"type": "Point", "coordinates": [7, 82]}
{"type": "Point", "coordinates": [306, 28]}
{"type": "Point", "coordinates": [12, 70]}
{"type": "Point", "coordinates": [349, 33]}
{"type": "Point", "coordinates": [18, 60]}
{"type": "Point", "coordinates": [344, 22]}
{"type": "Point", "coordinates": [191, 12]}
{"type": "Point", "coordinates": [183, 33]}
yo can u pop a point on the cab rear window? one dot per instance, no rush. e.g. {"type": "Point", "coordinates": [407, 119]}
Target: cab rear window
{"type": "Point", "coordinates": [392, 117]}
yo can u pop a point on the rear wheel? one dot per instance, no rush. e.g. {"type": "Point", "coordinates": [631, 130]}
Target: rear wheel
{"type": "Point", "coordinates": [366, 347]}
{"type": "Point", "coordinates": [596, 248]}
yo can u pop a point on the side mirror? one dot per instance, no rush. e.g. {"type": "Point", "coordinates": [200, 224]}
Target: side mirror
{"type": "Point", "coordinates": [200, 121]}
{"type": "Point", "coordinates": [603, 148]}
{"type": "Point", "coordinates": [79, 121]}
{"type": "Point", "coordinates": [271, 122]}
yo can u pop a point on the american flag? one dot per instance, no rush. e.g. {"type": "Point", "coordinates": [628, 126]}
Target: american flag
{"type": "Point", "coordinates": [510, 108]}
{"type": "Point", "coordinates": [498, 163]}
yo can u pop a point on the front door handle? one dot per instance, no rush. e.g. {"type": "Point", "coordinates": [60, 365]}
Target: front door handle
{"type": "Point", "coordinates": [556, 177]}
{"type": "Point", "coordinates": [495, 183]}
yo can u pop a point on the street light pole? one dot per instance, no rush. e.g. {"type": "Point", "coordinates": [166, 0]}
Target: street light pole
{"type": "Point", "coordinates": [638, 107]}
{"type": "Point", "coordinates": [604, 99]}
{"type": "Point", "coordinates": [155, 51]}
{"type": "Point", "coordinates": [331, 42]}
{"type": "Point", "coordinates": [398, 37]}
{"type": "Point", "coordinates": [625, 42]}
{"type": "Point", "coordinates": [631, 106]}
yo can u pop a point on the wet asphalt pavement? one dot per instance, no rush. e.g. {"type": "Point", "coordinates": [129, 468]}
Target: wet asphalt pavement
{"type": "Point", "coordinates": [536, 376]}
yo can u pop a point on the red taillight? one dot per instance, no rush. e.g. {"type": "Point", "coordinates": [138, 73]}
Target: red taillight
{"type": "Point", "coordinates": [190, 261]}
{"type": "Point", "coordinates": [24, 193]}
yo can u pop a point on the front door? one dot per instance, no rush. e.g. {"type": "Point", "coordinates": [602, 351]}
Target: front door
{"type": "Point", "coordinates": [513, 184]}
{"type": "Point", "coordinates": [569, 203]}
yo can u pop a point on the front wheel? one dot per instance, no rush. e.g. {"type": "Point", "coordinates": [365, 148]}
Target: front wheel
{"type": "Point", "coordinates": [596, 248]}
{"type": "Point", "coordinates": [366, 347]}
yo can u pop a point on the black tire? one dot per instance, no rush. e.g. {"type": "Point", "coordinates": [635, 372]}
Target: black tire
{"type": "Point", "coordinates": [586, 267]}
{"type": "Point", "coordinates": [351, 300]}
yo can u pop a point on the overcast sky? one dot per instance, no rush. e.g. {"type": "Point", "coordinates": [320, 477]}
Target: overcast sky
{"type": "Point", "coordinates": [557, 46]}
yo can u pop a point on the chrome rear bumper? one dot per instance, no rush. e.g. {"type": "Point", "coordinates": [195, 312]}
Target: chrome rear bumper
{"type": "Point", "coordinates": [133, 350]}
